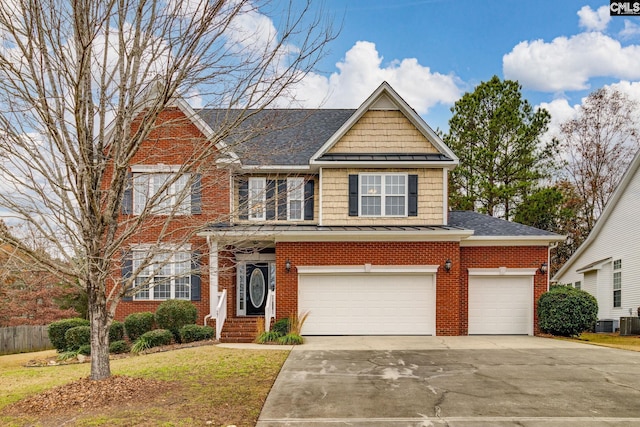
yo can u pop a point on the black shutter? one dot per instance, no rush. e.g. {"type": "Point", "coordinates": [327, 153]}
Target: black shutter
{"type": "Point", "coordinates": [282, 199]}
{"type": "Point", "coordinates": [413, 196]}
{"type": "Point", "coordinates": [308, 199]}
{"type": "Point", "coordinates": [196, 194]}
{"type": "Point", "coordinates": [195, 276]}
{"type": "Point", "coordinates": [353, 195]}
{"type": "Point", "coordinates": [127, 196]}
{"type": "Point", "coordinates": [127, 270]}
{"type": "Point", "coordinates": [271, 200]}
{"type": "Point", "coordinates": [243, 199]}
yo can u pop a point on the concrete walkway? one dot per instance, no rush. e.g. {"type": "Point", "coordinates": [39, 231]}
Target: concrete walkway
{"type": "Point", "coordinates": [454, 381]}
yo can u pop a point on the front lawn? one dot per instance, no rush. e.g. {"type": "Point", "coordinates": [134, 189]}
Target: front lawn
{"type": "Point", "coordinates": [631, 342]}
{"type": "Point", "coordinates": [206, 385]}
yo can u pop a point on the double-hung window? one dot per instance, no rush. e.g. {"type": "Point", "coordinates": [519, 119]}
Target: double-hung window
{"type": "Point", "coordinates": [295, 198]}
{"type": "Point", "coordinates": [383, 195]}
{"type": "Point", "coordinates": [167, 275]}
{"type": "Point", "coordinates": [257, 198]}
{"type": "Point", "coordinates": [617, 283]}
{"type": "Point", "coordinates": [162, 193]}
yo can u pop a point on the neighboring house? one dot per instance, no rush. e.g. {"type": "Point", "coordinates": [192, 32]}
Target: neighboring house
{"type": "Point", "coordinates": [607, 264]}
{"type": "Point", "coordinates": [344, 214]}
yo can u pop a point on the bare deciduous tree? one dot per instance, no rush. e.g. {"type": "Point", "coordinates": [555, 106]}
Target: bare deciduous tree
{"type": "Point", "coordinates": [84, 85]}
{"type": "Point", "coordinates": [600, 143]}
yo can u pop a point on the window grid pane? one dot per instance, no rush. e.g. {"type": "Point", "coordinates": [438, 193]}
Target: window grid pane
{"type": "Point", "coordinates": [257, 196]}
{"type": "Point", "coordinates": [389, 199]}
{"type": "Point", "coordinates": [147, 185]}
{"type": "Point", "coordinates": [168, 276]}
{"type": "Point", "coordinates": [371, 206]}
{"type": "Point", "coordinates": [295, 195]}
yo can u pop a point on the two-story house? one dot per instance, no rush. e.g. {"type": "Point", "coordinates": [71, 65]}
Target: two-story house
{"type": "Point", "coordinates": [344, 214]}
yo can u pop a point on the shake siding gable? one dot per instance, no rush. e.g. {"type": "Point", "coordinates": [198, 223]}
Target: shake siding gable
{"type": "Point", "coordinates": [383, 132]}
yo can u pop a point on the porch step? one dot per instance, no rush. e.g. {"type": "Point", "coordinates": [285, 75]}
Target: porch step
{"type": "Point", "coordinates": [240, 330]}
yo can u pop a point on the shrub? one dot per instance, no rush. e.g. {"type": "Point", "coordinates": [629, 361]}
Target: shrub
{"type": "Point", "coordinates": [174, 314]}
{"type": "Point", "coordinates": [77, 337]}
{"type": "Point", "coordinates": [281, 326]}
{"type": "Point", "coordinates": [57, 330]}
{"type": "Point", "coordinates": [118, 347]}
{"type": "Point", "coordinates": [85, 349]}
{"type": "Point", "coordinates": [268, 337]}
{"type": "Point", "coordinates": [191, 333]}
{"type": "Point", "coordinates": [137, 324]}
{"type": "Point", "coordinates": [291, 339]}
{"type": "Point", "coordinates": [566, 311]}
{"type": "Point", "coordinates": [116, 331]}
{"type": "Point", "coordinates": [156, 338]}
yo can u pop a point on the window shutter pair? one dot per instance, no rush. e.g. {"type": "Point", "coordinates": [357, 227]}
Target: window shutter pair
{"type": "Point", "coordinates": [196, 195]}
{"type": "Point", "coordinates": [275, 210]}
{"type": "Point", "coordinates": [412, 193]}
{"type": "Point", "coordinates": [196, 281]}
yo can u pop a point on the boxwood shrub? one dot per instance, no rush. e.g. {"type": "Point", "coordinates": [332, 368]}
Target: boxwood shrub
{"type": "Point", "coordinates": [174, 314]}
{"type": "Point", "coordinates": [118, 347]}
{"type": "Point", "coordinates": [157, 337]}
{"type": "Point", "coordinates": [191, 333]}
{"type": "Point", "coordinates": [566, 311]}
{"type": "Point", "coordinates": [77, 337]}
{"type": "Point", "coordinates": [137, 324]}
{"type": "Point", "coordinates": [57, 331]}
{"type": "Point", "coordinates": [116, 331]}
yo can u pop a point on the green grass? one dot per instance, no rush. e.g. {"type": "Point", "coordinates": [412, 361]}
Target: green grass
{"type": "Point", "coordinates": [216, 385]}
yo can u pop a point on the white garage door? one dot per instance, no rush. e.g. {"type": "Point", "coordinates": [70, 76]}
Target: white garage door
{"type": "Point", "coordinates": [367, 304]}
{"type": "Point", "coordinates": [501, 305]}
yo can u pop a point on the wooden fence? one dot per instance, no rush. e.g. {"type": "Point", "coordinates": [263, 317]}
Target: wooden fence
{"type": "Point", "coordinates": [24, 339]}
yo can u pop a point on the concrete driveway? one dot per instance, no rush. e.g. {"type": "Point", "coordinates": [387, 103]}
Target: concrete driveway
{"type": "Point", "coordinates": [454, 381]}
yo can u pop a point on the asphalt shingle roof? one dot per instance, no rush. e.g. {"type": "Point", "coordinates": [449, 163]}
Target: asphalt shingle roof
{"type": "Point", "coordinates": [283, 137]}
{"type": "Point", "coordinates": [485, 225]}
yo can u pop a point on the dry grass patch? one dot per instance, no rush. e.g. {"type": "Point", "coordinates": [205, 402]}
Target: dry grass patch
{"type": "Point", "coordinates": [194, 386]}
{"type": "Point", "coordinates": [611, 340]}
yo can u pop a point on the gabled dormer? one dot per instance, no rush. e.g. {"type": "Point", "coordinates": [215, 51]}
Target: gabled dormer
{"type": "Point", "coordinates": [384, 166]}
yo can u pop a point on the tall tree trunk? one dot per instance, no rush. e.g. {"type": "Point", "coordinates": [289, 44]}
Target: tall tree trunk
{"type": "Point", "coordinates": [100, 322]}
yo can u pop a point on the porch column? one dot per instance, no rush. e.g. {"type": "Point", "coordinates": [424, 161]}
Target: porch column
{"type": "Point", "coordinates": [213, 277]}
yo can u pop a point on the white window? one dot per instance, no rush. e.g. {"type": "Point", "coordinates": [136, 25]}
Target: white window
{"type": "Point", "coordinates": [578, 285]}
{"type": "Point", "coordinates": [295, 199]}
{"type": "Point", "coordinates": [257, 198]}
{"type": "Point", "coordinates": [383, 195]}
{"type": "Point", "coordinates": [168, 276]}
{"type": "Point", "coordinates": [617, 283]}
{"type": "Point", "coordinates": [165, 193]}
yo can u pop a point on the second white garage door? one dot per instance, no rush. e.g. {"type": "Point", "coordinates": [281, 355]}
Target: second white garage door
{"type": "Point", "coordinates": [501, 305]}
{"type": "Point", "coordinates": [367, 304]}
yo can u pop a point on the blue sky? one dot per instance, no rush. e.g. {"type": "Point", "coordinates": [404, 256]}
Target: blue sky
{"type": "Point", "coordinates": [432, 51]}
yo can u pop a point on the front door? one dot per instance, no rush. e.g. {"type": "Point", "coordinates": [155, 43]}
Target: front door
{"type": "Point", "coordinates": [256, 288]}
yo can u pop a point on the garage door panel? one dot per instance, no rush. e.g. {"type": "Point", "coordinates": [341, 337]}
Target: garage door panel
{"type": "Point", "coordinates": [501, 305]}
{"type": "Point", "coordinates": [367, 304]}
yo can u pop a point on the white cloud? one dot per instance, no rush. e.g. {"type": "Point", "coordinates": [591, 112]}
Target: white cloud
{"type": "Point", "coordinates": [630, 29]}
{"type": "Point", "coordinates": [362, 70]}
{"type": "Point", "coordinates": [569, 63]}
{"type": "Point", "coordinates": [594, 20]}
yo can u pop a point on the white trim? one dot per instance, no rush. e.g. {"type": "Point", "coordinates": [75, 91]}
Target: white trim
{"type": "Point", "coordinates": [502, 271]}
{"type": "Point", "coordinates": [383, 164]}
{"type": "Point", "coordinates": [608, 209]}
{"type": "Point", "coordinates": [319, 198]}
{"type": "Point", "coordinates": [377, 236]}
{"type": "Point", "coordinates": [445, 196]}
{"type": "Point", "coordinates": [254, 199]}
{"type": "Point", "coordinates": [296, 183]}
{"type": "Point", "coordinates": [213, 276]}
{"type": "Point", "coordinates": [383, 194]}
{"type": "Point", "coordinates": [368, 269]}
{"type": "Point", "coordinates": [255, 257]}
{"type": "Point", "coordinates": [161, 247]}
{"type": "Point", "coordinates": [511, 240]}
{"type": "Point", "coordinates": [158, 168]}
{"type": "Point", "coordinates": [410, 114]}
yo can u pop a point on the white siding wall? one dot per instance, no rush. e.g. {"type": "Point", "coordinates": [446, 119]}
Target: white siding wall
{"type": "Point", "coordinates": [619, 238]}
